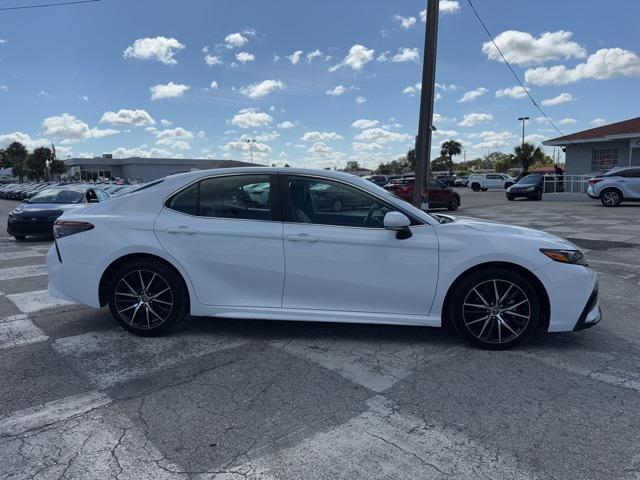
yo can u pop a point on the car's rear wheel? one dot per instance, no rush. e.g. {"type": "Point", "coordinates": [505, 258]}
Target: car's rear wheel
{"type": "Point", "coordinates": [495, 309]}
{"type": "Point", "coordinates": [610, 198]}
{"type": "Point", "coordinates": [19, 238]}
{"type": "Point", "coordinates": [484, 189]}
{"type": "Point", "coordinates": [147, 298]}
{"type": "Point", "coordinates": [454, 203]}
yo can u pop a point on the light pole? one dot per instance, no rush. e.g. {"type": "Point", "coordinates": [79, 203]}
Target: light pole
{"type": "Point", "coordinates": [524, 121]}
{"type": "Point", "coordinates": [251, 142]}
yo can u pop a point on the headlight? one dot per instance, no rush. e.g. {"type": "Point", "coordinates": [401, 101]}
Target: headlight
{"type": "Point", "coordinates": [574, 257]}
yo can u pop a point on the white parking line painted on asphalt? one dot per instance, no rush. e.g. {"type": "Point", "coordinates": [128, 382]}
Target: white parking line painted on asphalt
{"type": "Point", "coordinates": [376, 366]}
{"type": "Point", "coordinates": [11, 318]}
{"type": "Point", "coordinates": [20, 254]}
{"type": "Point", "coordinates": [12, 273]}
{"type": "Point", "coordinates": [381, 443]}
{"type": "Point", "coordinates": [602, 236]}
{"type": "Point", "coordinates": [114, 356]}
{"type": "Point", "coordinates": [51, 412]}
{"type": "Point", "coordinates": [16, 333]}
{"type": "Point", "coordinates": [29, 302]}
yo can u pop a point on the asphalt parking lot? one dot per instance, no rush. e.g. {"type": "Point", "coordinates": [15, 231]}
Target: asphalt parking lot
{"type": "Point", "coordinates": [228, 399]}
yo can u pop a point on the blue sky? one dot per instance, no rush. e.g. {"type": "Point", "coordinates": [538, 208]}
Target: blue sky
{"type": "Point", "coordinates": [195, 78]}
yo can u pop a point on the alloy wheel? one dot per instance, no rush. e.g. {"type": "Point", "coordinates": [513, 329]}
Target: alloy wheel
{"type": "Point", "coordinates": [144, 299]}
{"type": "Point", "coordinates": [496, 311]}
{"type": "Point", "coordinates": [610, 198]}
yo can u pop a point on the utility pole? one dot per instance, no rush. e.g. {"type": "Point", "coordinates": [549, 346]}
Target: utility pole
{"type": "Point", "coordinates": [425, 127]}
{"type": "Point", "coordinates": [251, 142]}
{"type": "Point", "coordinates": [524, 121]}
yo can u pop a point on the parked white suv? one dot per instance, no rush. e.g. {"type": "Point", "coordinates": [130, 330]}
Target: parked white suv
{"type": "Point", "coordinates": [621, 184]}
{"type": "Point", "coordinates": [486, 181]}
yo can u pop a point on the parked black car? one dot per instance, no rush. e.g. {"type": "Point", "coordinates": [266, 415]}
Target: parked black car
{"type": "Point", "coordinates": [36, 215]}
{"type": "Point", "coordinates": [530, 187]}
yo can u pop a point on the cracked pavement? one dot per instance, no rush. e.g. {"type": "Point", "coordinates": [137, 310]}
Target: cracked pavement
{"type": "Point", "coordinates": [229, 399]}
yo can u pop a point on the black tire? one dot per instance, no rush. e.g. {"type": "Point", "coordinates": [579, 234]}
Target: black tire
{"type": "Point", "coordinates": [484, 189]}
{"type": "Point", "coordinates": [156, 275]}
{"type": "Point", "coordinates": [20, 238]}
{"type": "Point", "coordinates": [538, 196]}
{"type": "Point", "coordinates": [467, 309]}
{"type": "Point", "coordinates": [454, 203]}
{"type": "Point", "coordinates": [475, 187]}
{"type": "Point", "coordinates": [610, 197]}
{"type": "Point", "coordinates": [510, 198]}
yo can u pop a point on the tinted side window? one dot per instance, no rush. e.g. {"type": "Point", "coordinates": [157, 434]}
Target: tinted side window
{"type": "Point", "coordinates": [631, 173]}
{"type": "Point", "coordinates": [245, 196]}
{"type": "Point", "coordinates": [185, 201]}
{"type": "Point", "coordinates": [494, 177]}
{"type": "Point", "coordinates": [325, 202]}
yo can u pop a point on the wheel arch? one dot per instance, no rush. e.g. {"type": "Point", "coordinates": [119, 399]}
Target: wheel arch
{"type": "Point", "coordinates": [526, 273]}
{"type": "Point", "coordinates": [117, 263]}
{"type": "Point", "coordinates": [612, 187]}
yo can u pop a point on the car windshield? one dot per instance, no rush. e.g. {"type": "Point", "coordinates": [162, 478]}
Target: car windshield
{"type": "Point", "coordinates": [530, 180]}
{"type": "Point", "coordinates": [57, 195]}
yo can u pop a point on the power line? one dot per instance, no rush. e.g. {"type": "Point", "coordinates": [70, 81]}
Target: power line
{"type": "Point", "coordinates": [535, 104]}
{"type": "Point", "coordinates": [45, 5]}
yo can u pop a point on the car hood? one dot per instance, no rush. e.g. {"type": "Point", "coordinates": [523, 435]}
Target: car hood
{"type": "Point", "coordinates": [514, 232]}
{"type": "Point", "coordinates": [44, 209]}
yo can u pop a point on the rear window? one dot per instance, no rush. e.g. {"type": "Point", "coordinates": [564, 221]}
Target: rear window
{"type": "Point", "coordinates": [57, 195]}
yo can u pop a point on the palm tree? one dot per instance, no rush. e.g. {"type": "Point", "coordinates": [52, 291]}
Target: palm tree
{"type": "Point", "coordinates": [449, 149]}
{"type": "Point", "coordinates": [527, 154]}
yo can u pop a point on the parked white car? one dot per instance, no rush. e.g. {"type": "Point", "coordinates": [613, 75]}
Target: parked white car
{"type": "Point", "coordinates": [485, 181]}
{"type": "Point", "coordinates": [198, 243]}
{"type": "Point", "coordinates": [618, 185]}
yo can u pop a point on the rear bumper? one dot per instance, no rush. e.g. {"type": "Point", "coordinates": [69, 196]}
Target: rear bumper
{"type": "Point", "coordinates": [74, 282]}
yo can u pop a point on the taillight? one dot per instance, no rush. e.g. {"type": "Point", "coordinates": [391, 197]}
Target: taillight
{"type": "Point", "coordinates": [64, 228]}
{"type": "Point", "coordinates": [593, 181]}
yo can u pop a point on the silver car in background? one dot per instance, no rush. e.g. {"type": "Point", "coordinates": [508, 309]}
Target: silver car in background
{"type": "Point", "coordinates": [621, 184]}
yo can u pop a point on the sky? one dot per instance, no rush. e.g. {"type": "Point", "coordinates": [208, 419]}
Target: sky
{"type": "Point", "coordinates": [316, 84]}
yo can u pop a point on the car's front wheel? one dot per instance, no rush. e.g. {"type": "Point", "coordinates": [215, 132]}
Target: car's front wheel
{"type": "Point", "coordinates": [147, 298]}
{"type": "Point", "coordinates": [495, 308]}
{"type": "Point", "coordinates": [454, 203]}
{"type": "Point", "coordinates": [610, 198]}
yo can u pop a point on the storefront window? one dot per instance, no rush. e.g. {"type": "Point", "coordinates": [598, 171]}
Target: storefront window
{"type": "Point", "coordinates": [603, 159]}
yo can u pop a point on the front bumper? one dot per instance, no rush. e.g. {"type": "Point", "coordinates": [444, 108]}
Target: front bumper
{"type": "Point", "coordinates": [30, 226]}
{"type": "Point", "coordinates": [591, 194]}
{"type": "Point", "coordinates": [591, 315]}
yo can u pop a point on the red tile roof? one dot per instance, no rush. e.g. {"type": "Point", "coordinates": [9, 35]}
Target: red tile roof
{"type": "Point", "coordinates": [627, 127]}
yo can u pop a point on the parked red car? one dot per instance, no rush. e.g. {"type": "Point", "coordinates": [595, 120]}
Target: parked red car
{"type": "Point", "coordinates": [440, 196]}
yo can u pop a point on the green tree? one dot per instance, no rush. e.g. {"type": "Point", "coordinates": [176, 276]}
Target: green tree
{"type": "Point", "coordinates": [449, 149]}
{"type": "Point", "coordinates": [17, 155]}
{"type": "Point", "coordinates": [37, 163]}
{"type": "Point", "coordinates": [527, 154]}
{"type": "Point", "coordinates": [58, 167]}
{"type": "Point", "coordinates": [352, 166]}
{"type": "Point", "coordinates": [4, 159]}
{"type": "Point", "coordinates": [440, 164]}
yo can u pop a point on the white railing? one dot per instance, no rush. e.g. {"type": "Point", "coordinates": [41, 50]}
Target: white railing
{"type": "Point", "coordinates": [566, 183]}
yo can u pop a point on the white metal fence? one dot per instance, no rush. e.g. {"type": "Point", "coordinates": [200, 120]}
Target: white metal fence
{"type": "Point", "coordinates": [566, 183]}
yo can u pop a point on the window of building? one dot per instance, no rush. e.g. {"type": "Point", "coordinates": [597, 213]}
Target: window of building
{"type": "Point", "coordinates": [603, 159]}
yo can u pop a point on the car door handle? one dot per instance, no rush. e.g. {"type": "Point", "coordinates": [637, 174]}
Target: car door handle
{"type": "Point", "coordinates": [182, 229]}
{"type": "Point", "coordinates": [302, 237]}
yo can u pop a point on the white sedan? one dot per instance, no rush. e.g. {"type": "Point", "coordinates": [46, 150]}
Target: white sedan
{"type": "Point", "coordinates": [200, 243]}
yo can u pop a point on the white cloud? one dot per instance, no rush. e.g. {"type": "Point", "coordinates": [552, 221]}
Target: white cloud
{"type": "Point", "coordinates": [406, 55]}
{"type": "Point", "coordinates": [23, 138]}
{"type": "Point", "coordinates": [162, 49]}
{"type": "Point", "coordinates": [516, 92]}
{"type": "Point", "coordinates": [365, 147]}
{"type": "Point", "coordinates": [286, 124]}
{"type": "Point", "coordinates": [2, 40]}
{"type": "Point", "coordinates": [166, 123]}
{"type": "Point", "coordinates": [235, 40]}
{"type": "Point", "coordinates": [262, 89]}
{"type": "Point", "coordinates": [471, 119]}
{"type": "Point", "coordinates": [212, 60]}
{"type": "Point", "coordinates": [263, 137]}
{"type": "Point", "coordinates": [181, 145]}
{"type": "Point", "coordinates": [244, 57]}
{"type": "Point", "coordinates": [250, 118]}
{"type": "Point", "coordinates": [534, 138]}
{"type": "Point", "coordinates": [168, 137]}
{"type": "Point", "coordinates": [473, 94]}
{"type": "Point", "coordinates": [320, 149]}
{"type": "Point", "coordinates": [260, 150]}
{"type": "Point", "coordinates": [357, 58]}
{"type": "Point", "coordinates": [446, 6]}
{"type": "Point", "coordinates": [604, 64]}
{"type": "Point", "coordinates": [69, 128]}
{"type": "Point", "coordinates": [381, 136]}
{"type": "Point", "coordinates": [383, 57]}
{"type": "Point", "coordinates": [141, 151]}
{"type": "Point", "coordinates": [295, 57]}
{"type": "Point", "coordinates": [3, 88]}
{"type": "Point", "coordinates": [598, 122]}
{"type": "Point", "coordinates": [567, 121]}
{"type": "Point", "coordinates": [170, 90]}
{"type": "Point", "coordinates": [336, 91]}
{"type": "Point", "coordinates": [406, 22]}
{"type": "Point", "coordinates": [445, 133]}
{"type": "Point", "coordinates": [361, 99]}
{"type": "Point", "coordinates": [492, 139]}
{"type": "Point", "coordinates": [84, 98]}
{"type": "Point", "coordinates": [522, 48]}
{"type": "Point", "coordinates": [213, 85]}
{"type": "Point", "coordinates": [314, 54]}
{"type": "Point", "coordinates": [363, 123]}
{"type": "Point", "coordinates": [562, 98]}
{"type": "Point", "coordinates": [320, 136]}
{"type": "Point", "coordinates": [125, 116]}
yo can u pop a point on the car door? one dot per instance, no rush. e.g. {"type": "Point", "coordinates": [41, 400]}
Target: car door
{"type": "Point", "coordinates": [346, 261]}
{"type": "Point", "coordinates": [493, 181]}
{"type": "Point", "coordinates": [630, 180]}
{"type": "Point", "coordinates": [438, 194]}
{"type": "Point", "coordinates": [227, 242]}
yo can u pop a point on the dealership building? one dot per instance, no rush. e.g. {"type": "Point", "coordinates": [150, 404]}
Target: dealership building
{"type": "Point", "coordinates": [141, 169]}
{"type": "Point", "coordinates": [601, 148]}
